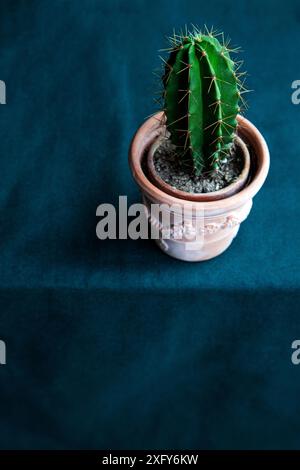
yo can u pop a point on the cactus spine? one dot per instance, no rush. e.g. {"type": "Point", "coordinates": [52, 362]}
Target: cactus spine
{"type": "Point", "coordinates": [202, 91]}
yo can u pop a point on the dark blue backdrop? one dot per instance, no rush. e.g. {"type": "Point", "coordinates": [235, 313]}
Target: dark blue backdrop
{"type": "Point", "coordinates": [113, 344]}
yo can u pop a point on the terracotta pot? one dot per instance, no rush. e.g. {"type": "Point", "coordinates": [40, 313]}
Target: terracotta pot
{"type": "Point", "coordinates": [192, 230]}
{"type": "Point", "coordinates": [229, 190]}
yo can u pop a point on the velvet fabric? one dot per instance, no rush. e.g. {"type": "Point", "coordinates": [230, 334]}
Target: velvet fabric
{"type": "Point", "coordinates": [113, 344]}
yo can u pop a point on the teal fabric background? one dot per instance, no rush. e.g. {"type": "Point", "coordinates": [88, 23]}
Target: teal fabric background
{"type": "Point", "coordinates": [113, 344]}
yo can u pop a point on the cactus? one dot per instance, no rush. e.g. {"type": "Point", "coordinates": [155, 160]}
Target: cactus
{"type": "Point", "coordinates": [202, 92]}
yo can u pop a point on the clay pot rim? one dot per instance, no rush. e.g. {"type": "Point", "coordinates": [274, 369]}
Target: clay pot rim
{"type": "Point", "coordinates": [227, 191]}
{"type": "Point", "coordinates": [149, 131]}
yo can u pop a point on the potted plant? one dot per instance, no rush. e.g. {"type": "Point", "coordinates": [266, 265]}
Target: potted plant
{"type": "Point", "coordinates": [199, 154]}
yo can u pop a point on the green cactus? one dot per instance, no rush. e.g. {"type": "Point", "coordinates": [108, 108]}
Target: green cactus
{"type": "Point", "coordinates": [202, 92]}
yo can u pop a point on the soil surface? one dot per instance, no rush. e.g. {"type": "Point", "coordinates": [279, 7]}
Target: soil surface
{"type": "Point", "coordinates": [168, 167]}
